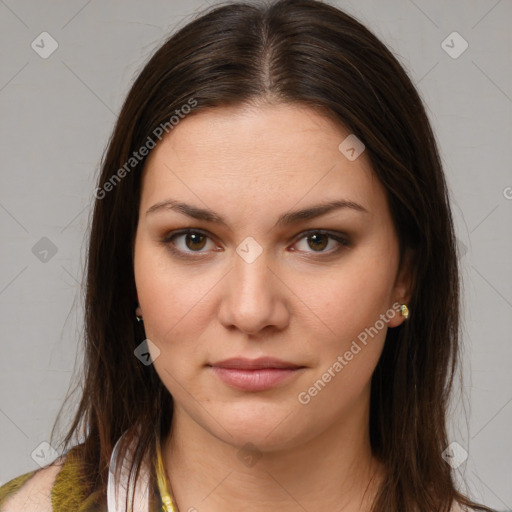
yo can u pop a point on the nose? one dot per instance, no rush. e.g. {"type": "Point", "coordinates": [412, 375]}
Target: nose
{"type": "Point", "coordinates": [254, 296]}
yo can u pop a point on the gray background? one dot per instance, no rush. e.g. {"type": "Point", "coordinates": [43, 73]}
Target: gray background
{"type": "Point", "coordinates": [57, 114]}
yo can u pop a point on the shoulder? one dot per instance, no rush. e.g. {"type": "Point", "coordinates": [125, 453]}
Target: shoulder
{"type": "Point", "coordinates": [30, 491]}
{"type": "Point", "coordinates": [61, 486]}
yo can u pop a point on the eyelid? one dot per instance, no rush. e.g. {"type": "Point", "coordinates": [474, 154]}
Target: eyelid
{"type": "Point", "coordinates": [168, 238]}
{"type": "Point", "coordinates": [342, 239]}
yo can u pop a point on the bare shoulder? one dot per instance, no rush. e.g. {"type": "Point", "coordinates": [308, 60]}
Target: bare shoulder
{"type": "Point", "coordinates": [35, 493]}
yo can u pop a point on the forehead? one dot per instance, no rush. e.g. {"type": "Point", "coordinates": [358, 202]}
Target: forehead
{"type": "Point", "coordinates": [258, 154]}
{"type": "Point", "coordinates": [242, 132]}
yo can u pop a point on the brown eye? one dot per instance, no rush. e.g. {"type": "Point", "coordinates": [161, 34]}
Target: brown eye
{"type": "Point", "coordinates": [195, 241]}
{"type": "Point", "coordinates": [187, 242]}
{"type": "Point", "coordinates": [319, 241]}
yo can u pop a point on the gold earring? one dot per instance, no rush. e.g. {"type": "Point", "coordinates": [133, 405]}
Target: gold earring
{"type": "Point", "coordinates": [404, 311]}
{"type": "Point", "coordinates": [138, 317]}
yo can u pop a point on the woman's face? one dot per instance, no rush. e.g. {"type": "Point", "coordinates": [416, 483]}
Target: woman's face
{"type": "Point", "coordinates": [249, 281]}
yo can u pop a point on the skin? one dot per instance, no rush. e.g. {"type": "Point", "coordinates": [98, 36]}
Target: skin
{"type": "Point", "coordinates": [300, 302]}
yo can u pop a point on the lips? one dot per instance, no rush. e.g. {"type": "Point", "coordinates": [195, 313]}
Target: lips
{"type": "Point", "coordinates": [240, 363]}
{"type": "Point", "coordinates": [254, 374]}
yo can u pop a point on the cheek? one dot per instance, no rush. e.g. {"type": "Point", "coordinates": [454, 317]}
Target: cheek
{"type": "Point", "coordinates": [344, 302]}
{"type": "Point", "coordinates": [174, 318]}
{"type": "Point", "coordinates": [173, 298]}
{"type": "Point", "coordinates": [349, 340]}
{"type": "Point", "coordinates": [351, 334]}
{"type": "Point", "coordinates": [331, 307]}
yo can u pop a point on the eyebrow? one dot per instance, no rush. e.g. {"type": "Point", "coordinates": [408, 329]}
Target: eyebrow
{"type": "Point", "coordinates": [285, 219]}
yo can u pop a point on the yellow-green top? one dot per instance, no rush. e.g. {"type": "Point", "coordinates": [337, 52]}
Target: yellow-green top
{"type": "Point", "coordinates": [68, 493]}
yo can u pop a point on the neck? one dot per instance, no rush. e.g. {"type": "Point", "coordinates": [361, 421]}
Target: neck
{"type": "Point", "coordinates": [333, 470]}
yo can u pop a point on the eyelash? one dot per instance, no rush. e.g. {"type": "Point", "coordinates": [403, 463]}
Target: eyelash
{"type": "Point", "coordinates": [168, 241]}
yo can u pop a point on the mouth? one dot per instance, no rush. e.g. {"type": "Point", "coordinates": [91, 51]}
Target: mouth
{"type": "Point", "coordinates": [254, 374]}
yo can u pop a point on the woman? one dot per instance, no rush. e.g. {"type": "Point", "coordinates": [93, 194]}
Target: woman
{"type": "Point", "coordinates": [272, 284]}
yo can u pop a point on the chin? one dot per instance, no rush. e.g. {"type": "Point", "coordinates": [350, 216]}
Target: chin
{"type": "Point", "coordinates": [268, 427]}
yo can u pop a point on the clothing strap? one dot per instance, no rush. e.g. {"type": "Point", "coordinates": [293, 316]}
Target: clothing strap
{"type": "Point", "coordinates": [120, 486]}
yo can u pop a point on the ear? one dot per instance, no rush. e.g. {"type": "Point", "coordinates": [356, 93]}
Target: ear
{"type": "Point", "coordinates": [138, 310]}
{"type": "Point", "coordinates": [403, 287]}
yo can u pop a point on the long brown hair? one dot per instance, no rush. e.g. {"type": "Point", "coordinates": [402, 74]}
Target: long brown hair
{"type": "Point", "coordinates": [310, 53]}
